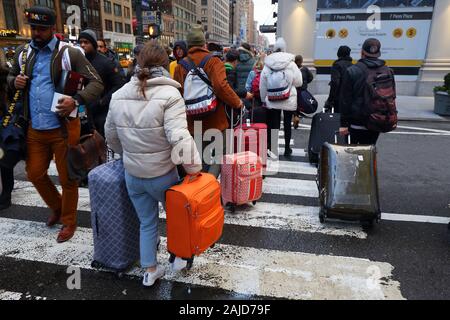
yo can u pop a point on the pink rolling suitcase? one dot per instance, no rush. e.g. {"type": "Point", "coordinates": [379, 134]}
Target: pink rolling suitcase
{"type": "Point", "coordinates": [254, 139]}
{"type": "Point", "coordinates": [241, 177]}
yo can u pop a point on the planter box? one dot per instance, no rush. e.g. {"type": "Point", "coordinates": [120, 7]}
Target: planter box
{"type": "Point", "coordinates": [442, 103]}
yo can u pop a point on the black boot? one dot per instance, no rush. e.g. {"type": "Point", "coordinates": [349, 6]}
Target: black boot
{"type": "Point", "coordinates": [287, 151]}
{"type": "Point", "coordinates": [5, 202]}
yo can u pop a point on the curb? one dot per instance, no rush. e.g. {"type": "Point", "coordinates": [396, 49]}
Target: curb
{"type": "Point", "coordinates": [425, 120]}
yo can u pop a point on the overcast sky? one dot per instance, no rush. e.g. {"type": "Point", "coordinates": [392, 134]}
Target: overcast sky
{"type": "Point", "coordinates": [263, 14]}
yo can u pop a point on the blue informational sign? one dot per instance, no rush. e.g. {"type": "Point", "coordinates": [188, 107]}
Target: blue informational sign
{"type": "Point", "coordinates": [145, 4]}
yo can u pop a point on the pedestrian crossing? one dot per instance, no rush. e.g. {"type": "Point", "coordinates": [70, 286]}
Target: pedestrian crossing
{"type": "Point", "coordinates": [248, 268]}
{"type": "Point", "coordinates": [12, 296]}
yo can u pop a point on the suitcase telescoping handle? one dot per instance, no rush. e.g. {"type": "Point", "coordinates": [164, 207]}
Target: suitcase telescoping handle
{"type": "Point", "coordinates": [332, 110]}
{"type": "Point", "coordinates": [240, 131]}
{"type": "Point", "coordinates": [337, 133]}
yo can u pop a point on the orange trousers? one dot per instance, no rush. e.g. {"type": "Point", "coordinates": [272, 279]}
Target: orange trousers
{"type": "Point", "coordinates": [42, 146]}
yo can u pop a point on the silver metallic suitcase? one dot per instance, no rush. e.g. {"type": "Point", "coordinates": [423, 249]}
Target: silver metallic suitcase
{"type": "Point", "coordinates": [348, 183]}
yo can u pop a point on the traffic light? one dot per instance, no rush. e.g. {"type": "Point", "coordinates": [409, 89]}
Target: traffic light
{"type": "Point", "coordinates": [154, 5]}
{"type": "Point", "coordinates": [154, 31]}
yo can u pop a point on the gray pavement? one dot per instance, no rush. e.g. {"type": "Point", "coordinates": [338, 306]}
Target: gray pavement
{"type": "Point", "coordinates": [410, 108]}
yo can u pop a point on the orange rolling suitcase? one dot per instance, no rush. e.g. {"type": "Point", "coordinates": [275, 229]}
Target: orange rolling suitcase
{"type": "Point", "coordinates": [195, 217]}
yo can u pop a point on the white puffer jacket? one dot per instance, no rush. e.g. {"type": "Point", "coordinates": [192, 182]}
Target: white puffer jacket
{"type": "Point", "coordinates": [281, 61]}
{"type": "Point", "coordinates": [146, 130]}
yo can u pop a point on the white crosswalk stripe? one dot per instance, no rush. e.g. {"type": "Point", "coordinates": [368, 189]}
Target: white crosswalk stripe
{"type": "Point", "coordinates": [291, 167]}
{"type": "Point", "coordinates": [8, 295]}
{"type": "Point", "coordinates": [295, 152]}
{"type": "Point", "coordinates": [246, 269]}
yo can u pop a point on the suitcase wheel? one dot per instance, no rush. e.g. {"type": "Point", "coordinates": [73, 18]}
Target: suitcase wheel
{"type": "Point", "coordinates": [254, 203]}
{"type": "Point", "coordinates": [96, 265]}
{"type": "Point", "coordinates": [231, 207]}
{"type": "Point", "coordinates": [189, 263]}
{"type": "Point", "coordinates": [321, 217]}
{"type": "Point", "coordinates": [313, 158]}
{"type": "Point", "coordinates": [368, 224]}
{"type": "Point", "coordinates": [172, 258]}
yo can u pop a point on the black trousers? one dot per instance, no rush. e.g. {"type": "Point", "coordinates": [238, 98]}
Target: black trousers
{"type": "Point", "coordinates": [7, 184]}
{"type": "Point", "coordinates": [363, 136]}
{"type": "Point", "coordinates": [273, 122]}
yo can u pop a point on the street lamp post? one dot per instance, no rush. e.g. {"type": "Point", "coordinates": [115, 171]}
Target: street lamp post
{"type": "Point", "coordinates": [140, 30]}
{"type": "Point", "coordinates": [232, 3]}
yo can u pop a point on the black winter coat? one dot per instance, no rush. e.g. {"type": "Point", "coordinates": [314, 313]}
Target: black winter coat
{"type": "Point", "coordinates": [352, 104]}
{"type": "Point", "coordinates": [112, 81]}
{"type": "Point", "coordinates": [337, 73]}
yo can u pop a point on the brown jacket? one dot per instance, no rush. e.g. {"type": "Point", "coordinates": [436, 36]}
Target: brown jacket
{"type": "Point", "coordinates": [224, 93]}
{"type": "Point", "coordinates": [79, 63]}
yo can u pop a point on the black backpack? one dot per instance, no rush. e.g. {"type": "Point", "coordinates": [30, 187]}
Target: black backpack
{"type": "Point", "coordinates": [379, 98]}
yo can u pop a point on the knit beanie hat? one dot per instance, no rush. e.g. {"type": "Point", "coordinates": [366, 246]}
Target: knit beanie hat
{"type": "Point", "coordinates": [89, 35]}
{"type": "Point", "coordinates": [232, 55]}
{"type": "Point", "coordinates": [196, 37]}
{"type": "Point", "coordinates": [344, 51]}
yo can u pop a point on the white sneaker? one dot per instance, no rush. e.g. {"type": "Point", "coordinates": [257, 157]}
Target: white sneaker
{"type": "Point", "coordinates": [151, 277]}
{"type": "Point", "coordinates": [178, 265]}
{"type": "Point", "coordinates": [272, 155]}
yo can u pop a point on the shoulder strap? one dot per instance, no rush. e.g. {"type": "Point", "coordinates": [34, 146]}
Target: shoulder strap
{"type": "Point", "coordinates": [198, 72]}
{"type": "Point", "coordinates": [188, 64]}
{"type": "Point", "coordinates": [26, 50]}
{"type": "Point", "coordinates": [205, 61]}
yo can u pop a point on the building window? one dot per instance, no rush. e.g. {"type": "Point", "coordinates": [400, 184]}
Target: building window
{"type": "Point", "coordinates": [119, 27]}
{"type": "Point", "coordinates": [127, 12]}
{"type": "Point", "coordinates": [108, 25]}
{"type": "Point", "coordinates": [46, 3]}
{"type": "Point", "coordinates": [11, 18]}
{"type": "Point", "coordinates": [117, 10]}
{"type": "Point", "coordinates": [127, 28]}
{"type": "Point", "coordinates": [107, 7]}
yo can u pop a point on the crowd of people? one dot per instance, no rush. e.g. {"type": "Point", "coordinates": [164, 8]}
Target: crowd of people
{"type": "Point", "coordinates": [143, 115]}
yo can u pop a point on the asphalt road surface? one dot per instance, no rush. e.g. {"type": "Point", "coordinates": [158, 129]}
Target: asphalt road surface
{"type": "Point", "coordinates": [276, 249]}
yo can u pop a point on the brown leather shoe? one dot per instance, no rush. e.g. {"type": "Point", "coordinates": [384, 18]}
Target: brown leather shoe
{"type": "Point", "coordinates": [296, 121]}
{"type": "Point", "coordinates": [53, 219]}
{"type": "Point", "coordinates": [66, 233]}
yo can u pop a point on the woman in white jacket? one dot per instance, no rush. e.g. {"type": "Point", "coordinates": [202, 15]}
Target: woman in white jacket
{"type": "Point", "coordinates": [280, 62]}
{"type": "Point", "coordinates": [147, 124]}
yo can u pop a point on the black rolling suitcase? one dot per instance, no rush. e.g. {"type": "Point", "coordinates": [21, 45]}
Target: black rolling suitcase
{"type": "Point", "coordinates": [323, 128]}
{"type": "Point", "coordinates": [348, 183]}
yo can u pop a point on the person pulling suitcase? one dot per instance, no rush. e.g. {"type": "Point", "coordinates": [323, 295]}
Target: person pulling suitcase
{"type": "Point", "coordinates": [145, 123]}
